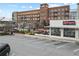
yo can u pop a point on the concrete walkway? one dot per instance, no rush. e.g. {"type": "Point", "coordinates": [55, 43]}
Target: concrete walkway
{"type": "Point", "coordinates": [48, 37]}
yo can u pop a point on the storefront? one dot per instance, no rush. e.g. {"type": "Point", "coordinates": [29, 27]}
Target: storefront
{"type": "Point", "coordinates": [64, 28]}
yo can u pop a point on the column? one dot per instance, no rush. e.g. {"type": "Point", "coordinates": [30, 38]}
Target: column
{"type": "Point", "coordinates": [77, 10]}
{"type": "Point", "coordinates": [50, 31]}
{"type": "Point", "coordinates": [77, 34]}
{"type": "Point", "coordinates": [62, 33]}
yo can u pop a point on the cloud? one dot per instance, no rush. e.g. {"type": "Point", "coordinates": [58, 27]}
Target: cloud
{"type": "Point", "coordinates": [30, 7]}
{"type": "Point", "coordinates": [54, 5]}
{"type": "Point", "coordinates": [26, 6]}
{"type": "Point", "coordinates": [37, 8]}
{"type": "Point", "coordinates": [0, 11]}
{"type": "Point", "coordinates": [12, 5]}
{"type": "Point", "coordinates": [68, 3]}
{"type": "Point", "coordinates": [23, 6]}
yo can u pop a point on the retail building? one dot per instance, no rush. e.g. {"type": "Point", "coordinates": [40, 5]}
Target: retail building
{"type": "Point", "coordinates": [66, 28]}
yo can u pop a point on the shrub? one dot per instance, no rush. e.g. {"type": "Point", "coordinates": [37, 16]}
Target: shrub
{"type": "Point", "coordinates": [26, 32]}
{"type": "Point", "coordinates": [4, 34]}
{"type": "Point", "coordinates": [31, 33]}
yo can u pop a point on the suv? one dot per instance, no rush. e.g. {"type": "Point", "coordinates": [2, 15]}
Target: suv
{"type": "Point", "coordinates": [4, 49]}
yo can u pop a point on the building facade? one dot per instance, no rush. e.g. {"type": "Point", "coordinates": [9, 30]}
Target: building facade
{"type": "Point", "coordinates": [40, 18]}
{"type": "Point", "coordinates": [73, 14]}
{"type": "Point", "coordinates": [66, 29]}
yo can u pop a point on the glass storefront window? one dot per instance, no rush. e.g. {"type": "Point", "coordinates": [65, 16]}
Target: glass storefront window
{"type": "Point", "coordinates": [69, 32]}
{"type": "Point", "coordinates": [55, 31]}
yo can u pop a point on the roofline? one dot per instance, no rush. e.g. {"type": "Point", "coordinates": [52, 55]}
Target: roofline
{"type": "Point", "coordinates": [30, 10]}
{"type": "Point", "coordinates": [59, 6]}
{"type": "Point", "coordinates": [48, 8]}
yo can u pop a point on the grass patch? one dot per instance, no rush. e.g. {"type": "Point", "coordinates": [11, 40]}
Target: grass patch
{"type": "Point", "coordinates": [25, 32]}
{"type": "Point", "coordinates": [1, 34]}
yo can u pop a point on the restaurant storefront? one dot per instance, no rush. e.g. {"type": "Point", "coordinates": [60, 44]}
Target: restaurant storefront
{"type": "Point", "coordinates": [64, 28]}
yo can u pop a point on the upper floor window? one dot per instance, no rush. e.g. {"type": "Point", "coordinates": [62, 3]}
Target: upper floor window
{"type": "Point", "coordinates": [51, 11]}
{"type": "Point", "coordinates": [21, 17]}
{"type": "Point", "coordinates": [24, 17]}
{"type": "Point", "coordinates": [55, 10]}
{"type": "Point", "coordinates": [66, 8]}
{"type": "Point", "coordinates": [59, 9]}
{"type": "Point", "coordinates": [59, 18]}
{"type": "Point", "coordinates": [62, 9]}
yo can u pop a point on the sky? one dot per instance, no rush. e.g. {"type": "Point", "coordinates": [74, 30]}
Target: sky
{"type": "Point", "coordinates": [6, 9]}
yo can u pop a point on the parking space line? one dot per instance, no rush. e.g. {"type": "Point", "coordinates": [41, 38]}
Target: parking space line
{"type": "Point", "coordinates": [62, 46]}
{"type": "Point", "coordinates": [13, 54]}
{"type": "Point", "coordinates": [76, 50]}
{"type": "Point", "coordinates": [57, 43]}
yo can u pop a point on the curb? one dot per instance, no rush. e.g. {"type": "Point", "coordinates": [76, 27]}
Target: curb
{"type": "Point", "coordinates": [47, 37]}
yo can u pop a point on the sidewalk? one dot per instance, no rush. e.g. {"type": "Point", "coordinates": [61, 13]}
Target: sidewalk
{"type": "Point", "coordinates": [48, 37]}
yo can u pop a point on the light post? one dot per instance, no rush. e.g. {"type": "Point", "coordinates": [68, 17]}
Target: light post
{"type": "Point", "coordinates": [77, 10]}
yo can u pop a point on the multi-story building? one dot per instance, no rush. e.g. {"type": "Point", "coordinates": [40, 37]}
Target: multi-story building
{"type": "Point", "coordinates": [40, 18]}
{"type": "Point", "coordinates": [73, 14]}
{"type": "Point", "coordinates": [59, 13]}
{"type": "Point", "coordinates": [29, 18]}
{"type": "Point", "coordinates": [66, 29]}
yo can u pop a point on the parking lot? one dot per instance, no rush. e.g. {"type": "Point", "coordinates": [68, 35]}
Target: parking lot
{"type": "Point", "coordinates": [22, 45]}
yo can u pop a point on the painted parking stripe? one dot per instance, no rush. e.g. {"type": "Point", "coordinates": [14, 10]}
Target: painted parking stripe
{"type": "Point", "coordinates": [76, 50]}
{"type": "Point", "coordinates": [62, 46]}
{"type": "Point", "coordinates": [13, 54]}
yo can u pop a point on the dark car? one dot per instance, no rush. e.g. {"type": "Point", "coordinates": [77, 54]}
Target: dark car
{"type": "Point", "coordinates": [4, 49]}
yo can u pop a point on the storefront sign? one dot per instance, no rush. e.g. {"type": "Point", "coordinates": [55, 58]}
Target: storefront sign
{"type": "Point", "coordinates": [69, 23]}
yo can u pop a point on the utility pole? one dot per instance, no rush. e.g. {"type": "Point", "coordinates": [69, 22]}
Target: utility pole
{"type": "Point", "coordinates": [77, 10]}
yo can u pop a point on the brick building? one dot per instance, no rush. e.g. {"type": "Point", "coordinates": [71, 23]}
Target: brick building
{"type": "Point", "coordinates": [40, 18]}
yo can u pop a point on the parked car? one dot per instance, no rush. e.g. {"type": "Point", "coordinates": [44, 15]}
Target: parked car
{"type": "Point", "coordinates": [4, 49]}
{"type": "Point", "coordinates": [6, 27]}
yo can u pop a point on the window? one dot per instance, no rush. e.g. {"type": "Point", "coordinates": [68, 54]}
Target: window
{"type": "Point", "coordinates": [59, 9]}
{"type": "Point", "coordinates": [55, 18]}
{"type": "Point", "coordinates": [21, 17]}
{"type": "Point", "coordinates": [62, 13]}
{"type": "Point", "coordinates": [51, 18]}
{"type": "Point", "coordinates": [25, 17]}
{"type": "Point", "coordinates": [35, 18]}
{"type": "Point", "coordinates": [1, 28]}
{"type": "Point", "coordinates": [62, 9]}
{"type": "Point", "coordinates": [50, 11]}
{"type": "Point", "coordinates": [51, 14]}
{"type": "Point", "coordinates": [66, 17]}
{"type": "Point", "coordinates": [58, 13]}
{"type": "Point", "coordinates": [66, 9]}
{"type": "Point", "coordinates": [55, 31]}
{"type": "Point", "coordinates": [38, 15]}
{"type": "Point", "coordinates": [66, 13]}
{"type": "Point", "coordinates": [55, 10]}
{"type": "Point", "coordinates": [69, 32]}
{"type": "Point", "coordinates": [59, 18]}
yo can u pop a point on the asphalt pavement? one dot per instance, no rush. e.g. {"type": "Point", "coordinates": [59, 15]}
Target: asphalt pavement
{"type": "Point", "coordinates": [22, 45]}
